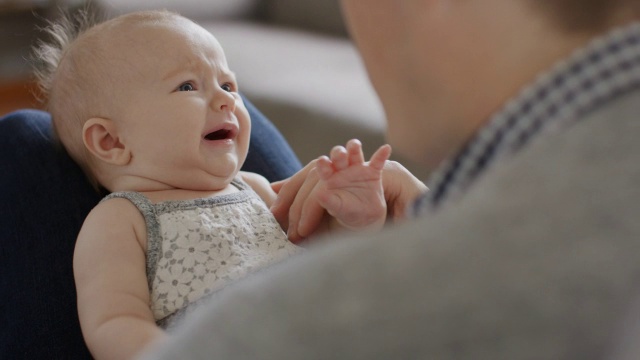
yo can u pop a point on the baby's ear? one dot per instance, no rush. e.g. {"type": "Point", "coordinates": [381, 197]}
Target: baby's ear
{"type": "Point", "coordinates": [101, 138]}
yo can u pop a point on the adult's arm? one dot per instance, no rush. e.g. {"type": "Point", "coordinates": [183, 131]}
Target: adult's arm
{"type": "Point", "coordinates": [44, 198]}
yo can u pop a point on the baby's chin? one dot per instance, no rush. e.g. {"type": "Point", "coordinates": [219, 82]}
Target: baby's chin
{"type": "Point", "coordinates": [209, 183]}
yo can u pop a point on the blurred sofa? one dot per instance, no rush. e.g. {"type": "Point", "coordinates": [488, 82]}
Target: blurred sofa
{"type": "Point", "coordinates": [294, 60]}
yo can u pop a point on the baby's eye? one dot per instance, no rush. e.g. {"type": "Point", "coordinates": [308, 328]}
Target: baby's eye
{"type": "Point", "coordinates": [226, 87]}
{"type": "Point", "coordinates": [186, 87]}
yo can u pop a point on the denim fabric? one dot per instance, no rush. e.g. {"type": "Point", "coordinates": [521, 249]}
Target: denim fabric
{"type": "Point", "coordinates": [44, 199]}
{"type": "Point", "coordinates": [269, 153]}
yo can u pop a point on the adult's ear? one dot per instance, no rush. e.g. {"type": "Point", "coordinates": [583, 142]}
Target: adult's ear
{"type": "Point", "coordinates": [101, 138]}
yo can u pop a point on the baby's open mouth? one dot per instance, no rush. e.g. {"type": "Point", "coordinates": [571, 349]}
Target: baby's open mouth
{"type": "Point", "coordinates": [221, 134]}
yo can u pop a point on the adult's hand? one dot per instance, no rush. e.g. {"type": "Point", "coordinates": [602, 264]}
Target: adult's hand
{"type": "Point", "coordinates": [293, 193]}
{"type": "Point", "coordinates": [401, 189]}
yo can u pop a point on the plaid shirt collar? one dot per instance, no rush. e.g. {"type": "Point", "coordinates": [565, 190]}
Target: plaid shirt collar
{"type": "Point", "coordinates": [605, 68]}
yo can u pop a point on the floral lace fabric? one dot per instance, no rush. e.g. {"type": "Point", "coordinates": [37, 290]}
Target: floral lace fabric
{"type": "Point", "coordinates": [196, 247]}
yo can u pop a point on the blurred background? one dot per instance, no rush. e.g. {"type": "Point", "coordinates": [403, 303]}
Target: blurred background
{"type": "Point", "coordinates": [293, 58]}
{"type": "Point", "coordinates": [19, 20]}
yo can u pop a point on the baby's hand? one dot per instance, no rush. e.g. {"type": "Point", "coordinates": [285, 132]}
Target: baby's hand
{"type": "Point", "coordinates": [350, 189]}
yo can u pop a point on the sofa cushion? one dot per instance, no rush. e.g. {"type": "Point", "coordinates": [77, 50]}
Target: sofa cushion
{"type": "Point", "coordinates": [44, 198]}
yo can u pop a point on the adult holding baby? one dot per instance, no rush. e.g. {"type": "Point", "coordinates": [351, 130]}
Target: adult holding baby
{"type": "Point", "coordinates": [526, 243]}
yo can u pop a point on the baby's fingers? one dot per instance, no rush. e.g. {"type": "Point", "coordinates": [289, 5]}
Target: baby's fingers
{"type": "Point", "coordinates": [324, 167]}
{"type": "Point", "coordinates": [339, 158]}
{"type": "Point", "coordinates": [379, 158]}
{"type": "Point", "coordinates": [354, 150]}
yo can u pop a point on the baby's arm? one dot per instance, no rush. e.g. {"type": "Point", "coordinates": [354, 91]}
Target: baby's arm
{"type": "Point", "coordinates": [110, 273]}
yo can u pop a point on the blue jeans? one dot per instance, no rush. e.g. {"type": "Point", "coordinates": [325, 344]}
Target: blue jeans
{"type": "Point", "coordinates": [44, 198]}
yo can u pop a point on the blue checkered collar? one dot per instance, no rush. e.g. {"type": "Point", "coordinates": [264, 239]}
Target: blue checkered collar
{"type": "Point", "coordinates": [605, 68]}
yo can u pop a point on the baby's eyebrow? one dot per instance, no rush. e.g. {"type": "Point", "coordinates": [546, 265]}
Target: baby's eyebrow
{"type": "Point", "coordinates": [230, 74]}
{"type": "Point", "coordinates": [196, 69]}
{"type": "Point", "coordinates": [177, 71]}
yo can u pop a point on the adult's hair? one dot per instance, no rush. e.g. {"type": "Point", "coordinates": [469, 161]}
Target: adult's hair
{"type": "Point", "coordinates": [588, 15]}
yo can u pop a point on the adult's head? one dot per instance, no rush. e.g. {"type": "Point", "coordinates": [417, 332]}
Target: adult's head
{"type": "Point", "coordinates": [442, 67]}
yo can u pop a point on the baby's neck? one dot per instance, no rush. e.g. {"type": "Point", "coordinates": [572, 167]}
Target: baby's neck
{"type": "Point", "coordinates": [158, 191]}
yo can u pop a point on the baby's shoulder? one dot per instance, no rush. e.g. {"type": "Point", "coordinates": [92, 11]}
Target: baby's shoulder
{"type": "Point", "coordinates": [114, 219]}
{"type": "Point", "coordinates": [114, 212]}
{"type": "Point", "coordinates": [253, 179]}
{"type": "Point", "coordinates": [117, 202]}
{"type": "Point", "coordinates": [260, 185]}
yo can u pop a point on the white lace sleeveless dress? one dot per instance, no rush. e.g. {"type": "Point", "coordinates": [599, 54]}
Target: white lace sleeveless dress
{"type": "Point", "coordinates": [195, 247]}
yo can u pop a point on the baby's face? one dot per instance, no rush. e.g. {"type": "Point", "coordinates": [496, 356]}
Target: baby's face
{"type": "Point", "coordinates": [183, 118]}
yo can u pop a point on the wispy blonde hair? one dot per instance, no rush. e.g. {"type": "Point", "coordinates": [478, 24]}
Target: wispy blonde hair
{"type": "Point", "coordinates": [60, 88]}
